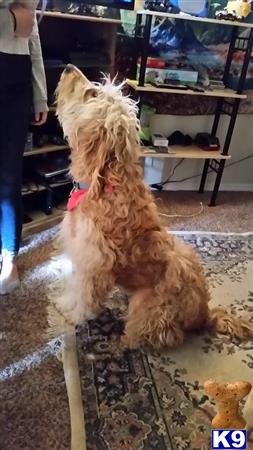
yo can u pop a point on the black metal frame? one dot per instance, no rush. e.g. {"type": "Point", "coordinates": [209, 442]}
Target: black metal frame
{"type": "Point", "coordinates": [225, 105]}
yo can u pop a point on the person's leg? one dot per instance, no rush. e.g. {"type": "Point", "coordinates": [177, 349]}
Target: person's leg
{"type": "Point", "coordinates": [15, 107]}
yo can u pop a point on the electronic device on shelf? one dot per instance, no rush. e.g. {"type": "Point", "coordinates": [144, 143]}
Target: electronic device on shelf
{"type": "Point", "coordinates": [207, 142]}
{"type": "Point", "coordinates": [50, 166]}
{"type": "Point", "coordinates": [159, 140]}
{"type": "Point", "coordinates": [49, 171]}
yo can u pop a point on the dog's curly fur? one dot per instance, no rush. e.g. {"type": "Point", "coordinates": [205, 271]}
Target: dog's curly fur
{"type": "Point", "coordinates": [117, 238]}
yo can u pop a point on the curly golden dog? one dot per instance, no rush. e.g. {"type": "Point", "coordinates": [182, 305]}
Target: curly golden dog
{"type": "Point", "coordinates": [113, 233]}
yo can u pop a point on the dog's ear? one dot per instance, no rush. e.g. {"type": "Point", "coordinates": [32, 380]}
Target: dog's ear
{"type": "Point", "coordinates": [89, 92]}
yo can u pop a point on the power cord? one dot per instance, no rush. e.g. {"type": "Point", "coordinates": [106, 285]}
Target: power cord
{"type": "Point", "coordinates": [159, 186]}
{"type": "Point", "coordinates": [173, 216]}
{"type": "Point", "coordinates": [168, 180]}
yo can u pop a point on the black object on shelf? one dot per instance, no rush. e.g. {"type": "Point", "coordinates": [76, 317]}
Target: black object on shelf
{"type": "Point", "coordinates": [178, 138]}
{"type": "Point", "coordinates": [206, 141]}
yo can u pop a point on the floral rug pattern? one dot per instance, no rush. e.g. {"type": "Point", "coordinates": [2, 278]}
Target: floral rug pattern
{"type": "Point", "coordinates": [144, 401]}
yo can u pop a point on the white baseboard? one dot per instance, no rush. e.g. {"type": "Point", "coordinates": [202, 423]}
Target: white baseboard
{"type": "Point", "coordinates": [193, 185]}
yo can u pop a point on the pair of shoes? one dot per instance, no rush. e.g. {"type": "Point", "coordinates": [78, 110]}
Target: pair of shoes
{"type": "Point", "coordinates": [9, 279]}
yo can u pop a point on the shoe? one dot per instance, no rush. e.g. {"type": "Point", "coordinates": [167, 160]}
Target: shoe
{"type": "Point", "coordinates": [9, 279]}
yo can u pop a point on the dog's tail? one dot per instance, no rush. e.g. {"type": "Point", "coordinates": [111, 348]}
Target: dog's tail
{"type": "Point", "coordinates": [221, 321]}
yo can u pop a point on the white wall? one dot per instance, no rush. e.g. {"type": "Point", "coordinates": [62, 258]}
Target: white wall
{"type": "Point", "coordinates": [237, 177]}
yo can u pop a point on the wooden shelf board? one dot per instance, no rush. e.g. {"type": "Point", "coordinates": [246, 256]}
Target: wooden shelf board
{"type": "Point", "coordinates": [229, 93]}
{"type": "Point", "coordinates": [46, 149]}
{"type": "Point", "coordinates": [60, 15]}
{"type": "Point", "coordinates": [195, 19]}
{"type": "Point", "coordinates": [189, 152]}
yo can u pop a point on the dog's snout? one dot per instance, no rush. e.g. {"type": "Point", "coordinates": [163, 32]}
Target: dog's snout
{"type": "Point", "coordinates": [69, 68]}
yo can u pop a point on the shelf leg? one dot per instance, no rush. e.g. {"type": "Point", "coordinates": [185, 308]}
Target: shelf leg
{"type": "Point", "coordinates": [204, 175]}
{"type": "Point", "coordinates": [137, 38]}
{"type": "Point", "coordinates": [225, 151]}
{"type": "Point", "coordinates": [147, 31]}
{"type": "Point", "coordinates": [245, 63]}
{"type": "Point", "coordinates": [217, 183]}
{"type": "Point", "coordinates": [230, 55]}
{"type": "Point", "coordinates": [231, 126]}
{"type": "Point", "coordinates": [217, 117]}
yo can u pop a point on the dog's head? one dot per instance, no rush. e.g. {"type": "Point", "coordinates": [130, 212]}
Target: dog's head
{"type": "Point", "coordinates": [99, 122]}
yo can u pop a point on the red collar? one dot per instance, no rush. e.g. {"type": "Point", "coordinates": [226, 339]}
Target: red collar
{"type": "Point", "coordinates": [75, 198]}
{"type": "Point", "coordinates": [77, 195]}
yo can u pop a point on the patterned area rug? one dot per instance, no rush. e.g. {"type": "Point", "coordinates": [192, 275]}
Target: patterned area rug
{"type": "Point", "coordinates": [147, 401]}
{"type": "Point", "coordinates": [132, 401]}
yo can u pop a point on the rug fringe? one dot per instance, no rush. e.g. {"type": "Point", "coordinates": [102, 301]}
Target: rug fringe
{"type": "Point", "coordinates": [237, 327]}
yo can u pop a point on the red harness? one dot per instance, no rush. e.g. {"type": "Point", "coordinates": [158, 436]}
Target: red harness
{"type": "Point", "coordinates": [77, 195]}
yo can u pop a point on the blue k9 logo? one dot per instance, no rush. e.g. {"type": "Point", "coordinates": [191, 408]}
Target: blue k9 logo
{"type": "Point", "coordinates": [229, 439]}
